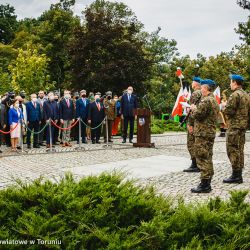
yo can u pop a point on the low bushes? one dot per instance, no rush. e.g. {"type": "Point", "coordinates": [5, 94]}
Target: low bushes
{"type": "Point", "coordinates": [159, 126]}
{"type": "Point", "coordinates": [107, 212]}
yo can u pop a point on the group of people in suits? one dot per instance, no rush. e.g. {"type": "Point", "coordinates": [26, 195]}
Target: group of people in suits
{"type": "Point", "coordinates": [16, 113]}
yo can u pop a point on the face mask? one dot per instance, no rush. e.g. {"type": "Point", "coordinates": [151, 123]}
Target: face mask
{"type": "Point", "coordinates": [109, 97]}
{"type": "Point", "coordinates": [67, 96]}
{"type": "Point", "coordinates": [83, 95]}
{"type": "Point", "coordinates": [34, 99]}
{"type": "Point", "coordinates": [97, 99]}
{"type": "Point", "coordinates": [16, 105]}
{"type": "Point", "coordinates": [130, 92]}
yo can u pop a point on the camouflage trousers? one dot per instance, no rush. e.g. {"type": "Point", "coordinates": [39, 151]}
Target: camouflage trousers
{"type": "Point", "coordinates": [191, 145]}
{"type": "Point", "coordinates": [235, 147]}
{"type": "Point", "coordinates": [204, 156]}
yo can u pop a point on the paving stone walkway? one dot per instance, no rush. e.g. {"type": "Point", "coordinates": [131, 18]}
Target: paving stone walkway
{"type": "Point", "coordinates": [160, 166]}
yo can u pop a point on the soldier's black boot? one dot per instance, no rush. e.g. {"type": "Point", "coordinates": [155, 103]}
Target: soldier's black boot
{"type": "Point", "coordinates": [236, 177]}
{"type": "Point", "coordinates": [222, 132]}
{"type": "Point", "coordinates": [203, 187]}
{"type": "Point", "coordinates": [193, 168]}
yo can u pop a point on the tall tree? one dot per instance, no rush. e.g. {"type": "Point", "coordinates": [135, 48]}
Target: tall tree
{"type": "Point", "coordinates": [55, 31]}
{"type": "Point", "coordinates": [244, 27]}
{"type": "Point", "coordinates": [8, 23]}
{"type": "Point", "coordinates": [29, 71]}
{"type": "Point", "coordinates": [107, 50]}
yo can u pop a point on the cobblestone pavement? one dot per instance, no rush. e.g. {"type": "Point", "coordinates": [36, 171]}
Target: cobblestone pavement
{"type": "Point", "coordinates": [32, 164]}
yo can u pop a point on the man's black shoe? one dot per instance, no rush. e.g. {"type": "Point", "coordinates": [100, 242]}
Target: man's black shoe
{"type": "Point", "coordinates": [110, 141]}
{"type": "Point", "coordinates": [97, 142]}
{"type": "Point", "coordinates": [28, 146]}
{"type": "Point", "coordinates": [18, 147]}
{"type": "Point", "coordinates": [36, 146]}
{"type": "Point", "coordinates": [1, 151]}
{"type": "Point", "coordinates": [130, 141]}
{"type": "Point", "coordinates": [124, 141]}
{"type": "Point", "coordinates": [42, 144]}
{"type": "Point", "coordinates": [93, 142]}
{"type": "Point", "coordinates": [203, 187]}
{"type": "Point", "coordinates": [236, 177]}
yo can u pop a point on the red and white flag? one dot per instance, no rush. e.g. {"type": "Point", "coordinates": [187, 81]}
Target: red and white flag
{"type": "Point", "coordinates": [179, 73]}
{"type": "Point", "coordinates": [217, 94]}
{"type": "Point", "coordinates": [187, 94]}
{"type": "Point", "coordinates": [177, 109]}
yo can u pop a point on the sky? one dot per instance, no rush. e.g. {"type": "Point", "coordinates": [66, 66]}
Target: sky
{"type": "Point", "coordinates": [198, 26]}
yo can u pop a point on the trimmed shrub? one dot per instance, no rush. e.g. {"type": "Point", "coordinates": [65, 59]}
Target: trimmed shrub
{"type": "Point", "coordinates": [107, 212]}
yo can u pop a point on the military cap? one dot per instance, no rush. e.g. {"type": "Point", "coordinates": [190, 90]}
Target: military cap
{"type": "Point", "coordinates": [197, 79]}
{"type": "Point", "coordinates": [98, 93]}
{"type": "Point", "coordinates": [235, 77]}
{"type": "Point", "coordinates": [83, 90]}
{"type": "Point", "coordinates": [208, 82]}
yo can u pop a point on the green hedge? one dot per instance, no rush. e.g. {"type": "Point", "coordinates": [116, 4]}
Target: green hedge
{"type": "Point", "coordinates": [159, 126]}
{"type": "Point", "coordinates": [107, 212]}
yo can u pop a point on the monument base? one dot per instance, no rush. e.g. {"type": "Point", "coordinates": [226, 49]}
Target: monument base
{"type": "Point", "coordinates": [144, 145]}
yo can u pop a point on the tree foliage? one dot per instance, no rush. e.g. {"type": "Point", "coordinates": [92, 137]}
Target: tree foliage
{"type": "Point", "coordinates": [107, 51]}
{"type": "Point", "coordinates": [8, 23]}
{"type": "Point", "coordinates": [29, 71]}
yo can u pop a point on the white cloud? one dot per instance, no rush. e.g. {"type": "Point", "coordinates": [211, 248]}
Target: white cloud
{"type": "Point", "coordinates": [198, 26]}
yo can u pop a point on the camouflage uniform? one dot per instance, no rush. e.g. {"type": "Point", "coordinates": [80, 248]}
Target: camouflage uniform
{"type": "Point", "coordinates": [205, 117]}
{"type": "Point", "coordinates": [194, 99]}
{"type": "Point", "coordinates": [237, 113]}
{"type": "Point", "coordinates": [110, 111]}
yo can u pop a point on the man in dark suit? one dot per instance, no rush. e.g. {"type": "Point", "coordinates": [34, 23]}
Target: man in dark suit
{"type": "Point", "coordinates": [50, 112]}
{"type": "Point", "coordinates": [128, 113]}
{"type": "Point", "coordinates": [41, 99]}
{"type": "Point", "coordinates": [3, 120]}
{"type": "Point", "coordinates": [95, 117]}
{"type": "Point", "coordinates": [33, 119]}
{"type": "Point", "coordinates": [67, 117]}
{"type": "Point", "coordinates": [82, 111]}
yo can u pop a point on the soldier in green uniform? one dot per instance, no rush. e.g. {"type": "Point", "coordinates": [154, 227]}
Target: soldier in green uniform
{"type": "Point", "coordinates": [237, 114]}
{"type": "Point", "coordinates": [205, 117]}
{"type": "Point", "coordinates": [194, 99]}
{"type": "Point", "coordinates": [110, 111]}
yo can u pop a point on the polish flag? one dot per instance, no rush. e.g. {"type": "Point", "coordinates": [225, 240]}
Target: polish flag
{"type": "Point", "coordinates": [179, 73]}
{"type": "Point", "coordinates": [187, 94]}
{"type": "Point", "coordinates": [217, 94]}
{"type": "Point", "coordinates": [177, 109]}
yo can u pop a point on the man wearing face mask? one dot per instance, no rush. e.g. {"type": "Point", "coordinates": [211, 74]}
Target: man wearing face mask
{"type": "Point", "coordinates": [33, 120]}
{"type": "Point", "coordinates": [82, 111]}
{"type": "Point", "coordinates": [50, 111]}
{"type": "Point", "coordinates": [110, 112]}
{"type": "Point", "coordinates": [67, 115]}
{"type": "Point", "coordinates": [41, 99]}
{"type": "Point", "coordinates": [128, 113]}
{"type": "Point", "coordinates": [3, 120]}
{"type": "Point", "coordinates": [95, 117]}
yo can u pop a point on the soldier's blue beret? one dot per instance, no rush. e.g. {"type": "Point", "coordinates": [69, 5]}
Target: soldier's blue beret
{"type": "Point", "coordinates": [197, 79]}
{"type": "Point", "coordinates": [237, 77]}
{"type": "Point", "coordinates": [208, 82]}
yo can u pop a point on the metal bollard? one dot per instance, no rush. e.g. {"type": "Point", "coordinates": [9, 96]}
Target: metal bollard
{"type": "Point", "coordinates": [21, 135]}
{"type": "Point", "coordinates": [50, 136]}
{"type": "Point", "coordinates": [107, 140]}
{"type": "Point", "coordinates": [80, 134]}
